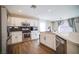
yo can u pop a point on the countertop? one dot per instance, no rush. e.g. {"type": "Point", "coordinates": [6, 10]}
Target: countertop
{"type": "Point", "coordinates": [73, 37]}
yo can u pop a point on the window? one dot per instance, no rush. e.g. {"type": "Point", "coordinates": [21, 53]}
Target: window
{"type": "Point", "coordinates": [42, 26]}
{"type": "Point", "coordinates": [64, 27]}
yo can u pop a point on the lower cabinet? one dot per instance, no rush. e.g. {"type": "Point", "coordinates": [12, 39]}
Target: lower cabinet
{"type": "Point", "coordinates": [54, 42]}
{"type": "Point", "coordinates": [16, 37]}
{"type": "Point", "coordinates": [72, 48]}
{"type": "Point", "coordinates": [48, 39]}
{"type": "Point", "coordinates": [34, 35]}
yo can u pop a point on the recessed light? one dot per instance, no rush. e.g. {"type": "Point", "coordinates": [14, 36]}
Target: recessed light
{"type": "Point", "coordinates": [19, 10]}
{"type": "Point", "coordinates": [49, 10]}
{"type": "Point", "coordinates": [33, 6]}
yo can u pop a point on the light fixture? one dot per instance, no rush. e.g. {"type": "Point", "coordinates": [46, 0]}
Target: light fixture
{"type": "Point", "coordinates": [33, 6]}
{"type": "Point", "coordinates": [19, 10]}
{"type": "Point", "coordinates": [49, 10]}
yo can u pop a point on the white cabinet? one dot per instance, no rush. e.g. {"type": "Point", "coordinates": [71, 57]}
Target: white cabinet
{"type": "Point", "coordinates": [48, 39]}
{"type": "Point", "coordinates": [34, 23]}
{"type": "Point", "coordinates": [16, 37]}
{"type": "Point", "coordinates": [34, 35]}
{"type": "Point", "coordinates": [72, 48]}
{"type": "Point", "coordinates": [42, 38]}
{"type": "Point", "coordinates": [16, 21]}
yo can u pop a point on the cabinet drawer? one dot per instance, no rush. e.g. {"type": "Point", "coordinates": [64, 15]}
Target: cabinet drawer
{"type": "Point", "coordinates": [16, 37]}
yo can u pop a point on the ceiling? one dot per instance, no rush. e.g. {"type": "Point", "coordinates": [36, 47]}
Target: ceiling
{"type": "Point", "coordinates": [46, 12]}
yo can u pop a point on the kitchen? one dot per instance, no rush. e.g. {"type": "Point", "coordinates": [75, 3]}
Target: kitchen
{"type": "Point", "coordinates": [26, 29]}
{"type": "Point", "coordinates": [59, 36]}
{"type": "Point", "coordinates": [19, 36]}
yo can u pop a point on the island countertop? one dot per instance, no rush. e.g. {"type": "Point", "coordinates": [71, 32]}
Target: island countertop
{"type": "Point", "coordinates": [73, 36]}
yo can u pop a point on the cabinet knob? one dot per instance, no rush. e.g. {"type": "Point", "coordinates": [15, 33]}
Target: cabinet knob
{"type": "Point", "coordinates": [16, 37]}
{"type": "Point", "coordinates": [44, 38]}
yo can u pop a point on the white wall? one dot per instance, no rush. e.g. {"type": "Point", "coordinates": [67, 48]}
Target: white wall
{"type": "Point", "coordinates": [47, 24]}
{"type": "Point", "coordinates": [4, 28]}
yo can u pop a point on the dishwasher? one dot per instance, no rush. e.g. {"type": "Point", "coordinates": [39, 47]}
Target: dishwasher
{"type": "Point", "coordinates": [60, 45]}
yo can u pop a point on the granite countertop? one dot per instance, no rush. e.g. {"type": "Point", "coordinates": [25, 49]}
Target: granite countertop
{"type": "Point", "coordinates": [73, 37]}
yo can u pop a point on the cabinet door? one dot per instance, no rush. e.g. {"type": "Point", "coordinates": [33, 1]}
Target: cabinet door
{"type": "Point", "coordinates": [50, 41]}
{"type": "Point", "coordinates": [34, 34]}
{"type": "Point", "coordinates": [16, 37]}
{"type": "Point", "coordinates": [19, 37]}
{"type": "Point", "coordinates": [43, 38]}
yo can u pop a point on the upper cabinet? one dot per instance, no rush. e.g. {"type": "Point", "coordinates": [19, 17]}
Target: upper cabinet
{"type": "Point", "coordinates": [34, 23]}
{"type": "Point", "coordinates": [14, 21]}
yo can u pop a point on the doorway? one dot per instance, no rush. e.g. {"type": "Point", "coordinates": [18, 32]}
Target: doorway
{"type": "Point", "coordinates": [42, 26]}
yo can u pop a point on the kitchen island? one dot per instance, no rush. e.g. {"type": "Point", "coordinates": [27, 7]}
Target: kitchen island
{"type": "Point", "coordinates": [62, 42]}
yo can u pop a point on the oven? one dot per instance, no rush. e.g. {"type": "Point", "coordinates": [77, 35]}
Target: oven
{"type": "Point", "coordinates": [26, 32]}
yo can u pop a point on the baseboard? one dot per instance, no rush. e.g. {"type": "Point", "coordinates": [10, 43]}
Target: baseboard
{"type": "Point", "coordinates": [47, 47]}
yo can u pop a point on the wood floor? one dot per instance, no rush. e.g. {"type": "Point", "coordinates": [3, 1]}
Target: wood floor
{"type": "Point", "coordinates": [29, 47]}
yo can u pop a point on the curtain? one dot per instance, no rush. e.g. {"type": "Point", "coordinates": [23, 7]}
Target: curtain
{"type": "Point", "coordinates": [60, 22]}
{"type": "Point", "coordinates": [71, 21]}
{"type": "Point", "coordinates": [76, 20]}
{"type": "Point", "coordinates": [72, 24]}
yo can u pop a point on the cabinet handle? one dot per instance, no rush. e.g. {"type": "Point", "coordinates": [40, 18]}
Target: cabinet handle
{"type": "Point", "coordinates": [44, 38]}
{"type": "Point", "coordinates": [16, 37]}
{"type": "Point", "coordinates": [58, 44]}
